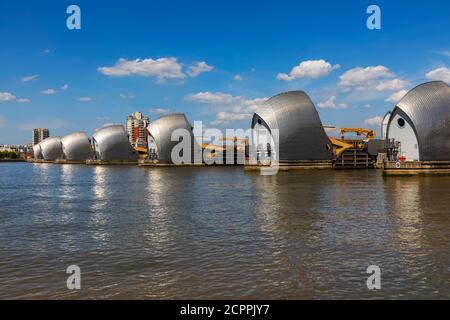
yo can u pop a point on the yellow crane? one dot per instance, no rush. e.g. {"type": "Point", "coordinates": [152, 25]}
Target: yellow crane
{"type": "Point", "coordinates": [368, 133]}
{"type": "Point", "coordinates": [242, 141]}
{"type": "Point", "coordinates": [341, 144]}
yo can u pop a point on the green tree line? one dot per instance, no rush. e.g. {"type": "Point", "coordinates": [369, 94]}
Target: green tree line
{"type": "Point", "coordinates": [8, 155]}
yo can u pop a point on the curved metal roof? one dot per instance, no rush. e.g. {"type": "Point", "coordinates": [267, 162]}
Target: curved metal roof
{"type": "Point", "coordinates": [301, 134]}
{"type": "Point", "coordinates": [112, 144]}
{"type": "Point", "coordinates": [37, 153]}
{"type": "Point", "coordinates": [384, 124]}
{"type": "Point", "coordinates": [51, 148]}
{"type": "Point", "coordinates": [161, 130]}
{"type": "Point", "coordinates": [428, 108]}
{"type": "Point", "coordinates": [76, 146]}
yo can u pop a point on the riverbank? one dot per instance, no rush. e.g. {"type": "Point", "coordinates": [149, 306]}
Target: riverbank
{"type": "Point", "coordinates": [13, 160]}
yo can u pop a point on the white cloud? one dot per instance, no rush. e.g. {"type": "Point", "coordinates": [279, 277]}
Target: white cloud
{"type": "Point", "coordinates": [391, 85]}
{"type": "Point", "coordinates": [29, 78]}
{"type": "Point", "coordinates": [237, 77]}
{"type": "Point", "coordinates": [226, 117]}
{"type": "Point", "coordinates": [162, 68]}
{"type": "Point", "coordinates": [374, 122]}
{"type": "Point", "coordinates": [233, 108]}
{"type": "Point", "coordinates": [439, 74]}
{"type": "Point", "coordinates": [126, 96]}
{"type": "Point", "coordinates": [396, 96]}
{"type": "Point", "coordinates": [364, 77]}
{"type": "Point", "coordinates": [199, 67]}
{"type": "Point", "coordinates": [65, 87]}
{"type": "Point", "coordinates": [6, 96]}
{"type": "Point", "coordinates": [309, 69]}
{"type": "Point", "coordinates": [160, 110]}
{"type": "Point", "coordinates": [365, 84]}
{"type": "Point", "coordinates": [218, 98]}
{"type": "Point", "coordinates": [49, 91]}
{"type": "Point", "coordinates": [84, 99]}
{"type": "Point", "coordinates": [331, 104]}
{"type": "Point", "coordinates": [445, 53]}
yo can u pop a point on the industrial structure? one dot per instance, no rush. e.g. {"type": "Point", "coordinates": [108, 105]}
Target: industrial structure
{"type": "Point", "coordinates": [225, 150]}
{"type": "Point", "coordinates": [301, 135]}
{"type": "Point", "coordinates": [51, 149]}
{"type": "Point", "coordinates": [384, 125]}
{"type": "Point", "coordinates": [161, 141]}
{"type": "Point", "coordinates": [38, 135]}
{"type": "Point", "coordinates": [415, 136]}
{"type": "Point", "coordinates": [358, 152]}
{"type": "Point", "coordinates": [420, 123]}
{"type": "Point", "coordinates": [76, 146]}
{"type": "Point", "coordinates": [37, 152]}
{"type": "Point", "coordinates": [111, 144]}
{"type": "Point", "coordinates": [136, 126]}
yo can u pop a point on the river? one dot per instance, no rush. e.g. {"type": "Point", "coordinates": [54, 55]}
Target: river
{"type": "Point", "coordinates": [220, 232]}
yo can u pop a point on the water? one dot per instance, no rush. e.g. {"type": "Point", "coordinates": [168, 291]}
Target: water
{"type": "Point", "coordinates": [220, 233]}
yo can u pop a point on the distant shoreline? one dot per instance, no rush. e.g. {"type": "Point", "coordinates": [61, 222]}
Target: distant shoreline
{"type": "Point", "coordinates": [13, 160]}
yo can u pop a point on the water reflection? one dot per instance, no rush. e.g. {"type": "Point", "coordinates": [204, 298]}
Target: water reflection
{"type": "Point", "coordinates": [407, 212]}
{"type": "Point", "coordinates": [68, 189]}
{"type": "Point", "coordinates": [157, 233]}
{"type": "Point", "coordinates": [221, 233]}
{"type": "Point", "coordinates": [99, 187]}
{"type": "Point", "coordinates": [45, 178]}
{"type": "Point", "coordinates": [99, 205]}
{"type": "Point", "coordinates": [288, 211]}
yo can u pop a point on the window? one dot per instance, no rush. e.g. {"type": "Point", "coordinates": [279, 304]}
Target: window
{"type": "Point", "coordinates": [401, 122]}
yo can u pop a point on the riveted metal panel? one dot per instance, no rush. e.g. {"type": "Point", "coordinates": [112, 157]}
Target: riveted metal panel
{"type": "Point", "coordinates": [112, 144]}
{"type": "Point", "coordinates": [301, 133]}
{"type": "Point", "coordinates": [428, 108]}
{"type": "Point", "coordinates": [76, 146]}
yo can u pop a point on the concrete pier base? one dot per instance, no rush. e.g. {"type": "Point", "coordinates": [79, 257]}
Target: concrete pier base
{"type": "Point", "coordinates": [411, 168]}
{"type": "Point", "coordinates": [108, 163]}
{"type": "Point", "coordinates": [293, 165]}
{"type": "Point", "coordinates": [156, 163]}
{"type": "Point", "coordinates": [63, 161]}
{"type": "Point", "coordinates": [40, 161]}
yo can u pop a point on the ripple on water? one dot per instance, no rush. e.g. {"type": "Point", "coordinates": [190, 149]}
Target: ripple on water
{"type": "Point", "coordinates": [220, 233]}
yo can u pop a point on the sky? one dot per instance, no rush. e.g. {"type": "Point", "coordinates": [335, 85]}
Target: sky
{"type": "Point", "coordinates": [216, 61]}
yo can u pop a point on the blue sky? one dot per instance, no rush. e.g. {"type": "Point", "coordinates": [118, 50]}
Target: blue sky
{"type": "Point", "coordinates": [214, 60]}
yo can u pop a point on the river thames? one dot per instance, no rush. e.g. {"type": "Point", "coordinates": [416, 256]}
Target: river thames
{"type": "Point", "coordinates": [220, 233]}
